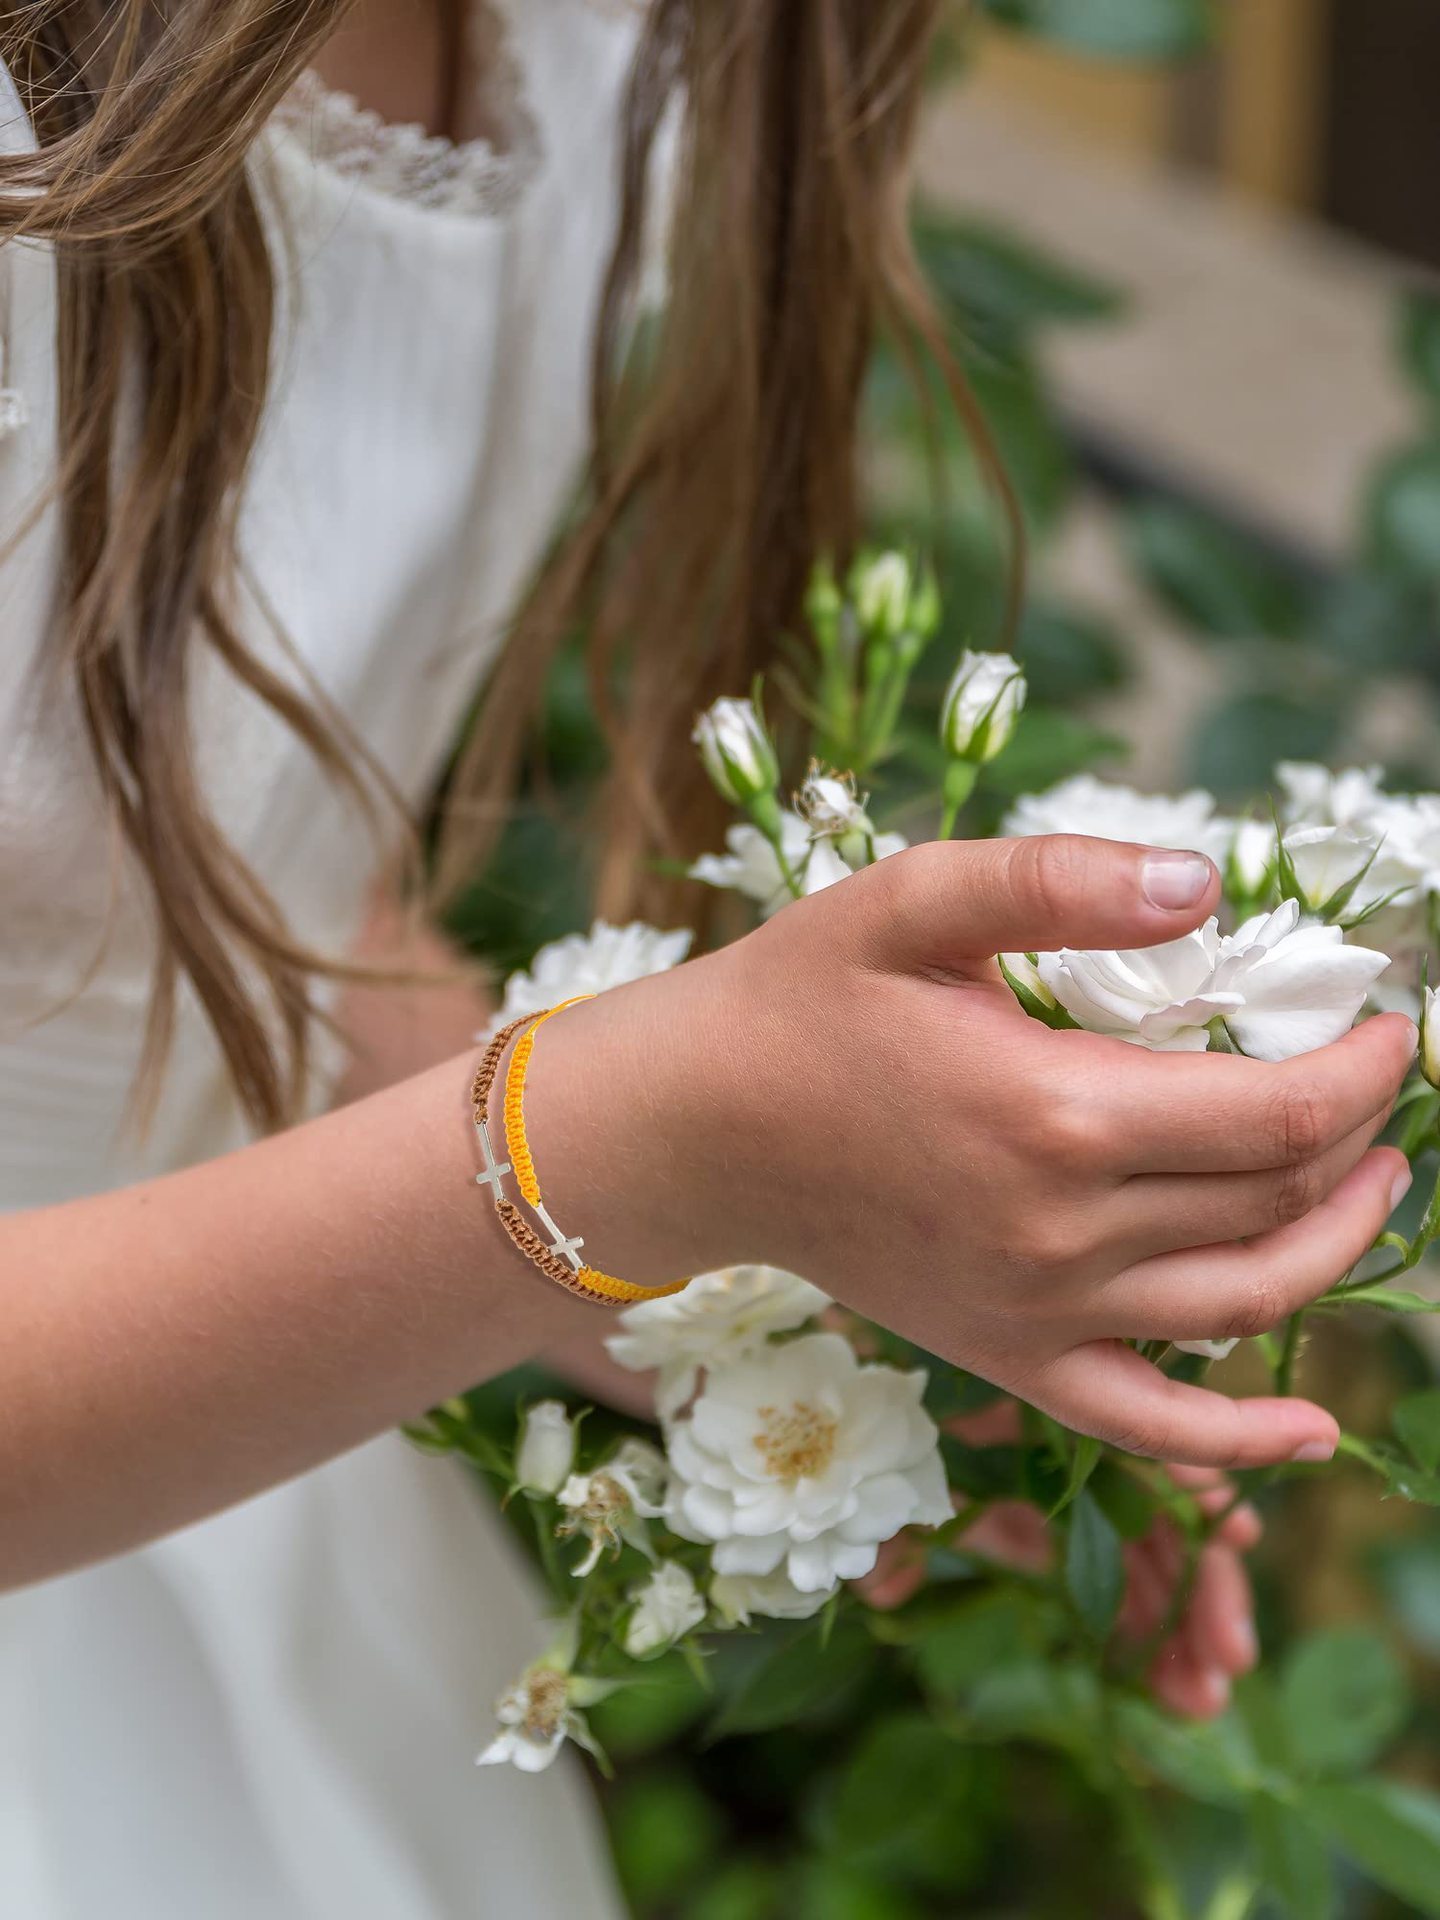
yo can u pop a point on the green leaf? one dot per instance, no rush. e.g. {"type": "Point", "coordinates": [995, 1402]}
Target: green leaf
{"type": "Point", "coordinates": [1213, 1761]}
{"type": "Point", "coordinates": [1373, 622]}
{"type": "Point", "coordinates": [1345, 1698]}
{"type": "Point", "coordinates": [1419, 331]}
{"type": "Point", "coordinates": [1391, 1832]}
{"type": "Point", "coordinates": [1069, 656]}
{"type": "Point", "coordinates": [745, 1890]}
{"type": "Point", "coordinates": [1040, 1700]}
{"type": "Point", "coordinates": [661, 1706]}
{"type": "Point", "coordinates": [1237, 744]}
{"type": "Point", "coordinates": [1083, 1461]}
{"type": "Point", "coordinates": [1416, 1421]}
{"type": "Point", "coordinates": [1408, 1573]}
{"type": "Point", "coordinates": [888, 1792]}
{"type": "Point", "coordinates": [1094, 1569]}
{"type": "Point", "coordinates": [1297, 1873]}
{"type": "Point", "coordinates": [665, 1831]}
{"type": "Point", "coordinates": [1216, 581]}
{"type": "Point", "coordinates": [1390, 1299]}
{"type": "Point", "coordinates": [831, 1890]}
{"type": "Point", "coordinates": [1402, 512]}
{"type": "Point", "coordinates": [800, 1677]}
{"type": "Point", "coordinates": [985, 1630]}
{"type": "Point", "coordinates": [1127, 1503]}
{"type": "Point", "coordinates": [989, 279]}
{"type": "Point", "coordinates": [985, 1473]}
{"type": "Point", "coordinates": [1113, 29]}
{"type": "Point", "coordinates": [1402, 1477]}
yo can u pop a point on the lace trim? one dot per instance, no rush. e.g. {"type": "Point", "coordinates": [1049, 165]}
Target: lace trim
{"type": "Point", "coordinates": [404, 162]}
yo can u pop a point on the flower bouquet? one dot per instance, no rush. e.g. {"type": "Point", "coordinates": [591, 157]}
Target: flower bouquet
{"type": "Point", "coordinates": [794, 1441]}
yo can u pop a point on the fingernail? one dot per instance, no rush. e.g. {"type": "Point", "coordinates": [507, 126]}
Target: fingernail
{"type": "Point", "coordinates": [1247, 1642]}
{"type": "Point", "coordinates": [1313, 1451]}
{"type": "Point", "coordinates": [1175, 880]}
{"type": "Point", "coordinates": [1404, 1180]}
{"type": "Point", "coordinates": [1414, 1038]}
{"type": "Point", "coordinates": [1217, 1687]}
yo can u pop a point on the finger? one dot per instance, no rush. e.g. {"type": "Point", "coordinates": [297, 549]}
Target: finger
{"type": "Point", "coordinates": [1159, 1213]}
{"type": "Point", "coordinates": [1221, 1113]}
{"type": "Point", "coordinates": [1181, 1683]}
{"type": "Point", "coordinates": [1107, 1390]}
{"type": "Point", "coordinates": [946, 902]}
{"type": "Point", "coordinates": [997, 1425]}
{"type": "Point", "coordinates": [1219, 1624]}
{"type": "Point", "coordinates": [898, 1574]}
{"type": "Point", "coordinates": [1147, 1597]}
{"type": "Point", "coordinates": [1012, 1532]}
{"type": "Point", "coordinates": [1238, 1289]}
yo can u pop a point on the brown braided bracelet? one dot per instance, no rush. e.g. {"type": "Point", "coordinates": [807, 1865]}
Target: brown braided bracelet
{"type": "Point", "coordinates": [522, 1234]}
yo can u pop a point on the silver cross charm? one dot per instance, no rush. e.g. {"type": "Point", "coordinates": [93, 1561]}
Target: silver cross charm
{"type": "Point", "coordinates": [494, 1169]}
{"type": "Point", "coordinates": [568, 1250]}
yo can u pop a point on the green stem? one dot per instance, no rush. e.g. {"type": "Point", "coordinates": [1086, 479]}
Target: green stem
{"type": "Point", "coordinates": [960, 778]}
{"type": "Point", "coordinates": [1289, 1353]}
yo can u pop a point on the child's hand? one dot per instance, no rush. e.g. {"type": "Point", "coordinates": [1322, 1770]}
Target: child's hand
{"type": "Point", "coordinates": [854, 1094]}
{"type": "Point", "coordinates": [1213, 1641]}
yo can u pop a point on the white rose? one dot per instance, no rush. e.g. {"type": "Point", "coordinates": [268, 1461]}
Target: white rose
{"type": "Point", "coordinates": [1161, 997]}
{"type": "Point", "coordinates": [1430, 1039]}
{"type": "Point", "coordinates": [1408, 829]}
{"type": "Point", "coordinates": [589, 963]}
{"type": "Point", "coordinates": [610, 1505]}
{"type": "Point", "coordinates": [1106, 810]}
{"type": "Point", "coordinates": [1314, 796]}
{"type": "Point", "coordinates": [751, 868]}
{"type": "Point", "coordinates": [1329, 865]}
{"type": "Point", "coordinates": [1281, 987]}
{"type": "Point", "coordinates": [736, 750]}
{"type": "Point", "coordinates": [547, 1448]}
{"type": "Point", "coordinates": [890, 599]}
{"type": "Point", "coordinates": [800, 1457]}
{"type": "Point", "coordinates": [539, 1713]}
{"type": "Point", "coordinates": [1207, 1349]}
{"type": "Point", "coordinates": [982, 705]}
{"type": "Point", "coordinates": [830, 806]}
{"type": "Point", "coordinates": [1300, 984]}
{"type": "Point", "coordinates": [1250, 868]}
{"type": "Point", "coordinates": [736, 1597]}
{"type": "Point", "coordinates": [667, 1606]}
{"type": "Point", "coordinates": [1024, 977]}
{"type": "Point", "coordinates": [719, 1317]}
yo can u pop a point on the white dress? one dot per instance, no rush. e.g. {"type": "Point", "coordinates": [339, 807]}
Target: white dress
{"type": "Point", "coordinates": [273, 1715]}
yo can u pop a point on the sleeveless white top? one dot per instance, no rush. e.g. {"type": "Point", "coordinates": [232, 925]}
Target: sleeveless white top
{"type": "Point", "coordinates": [273, 1715]}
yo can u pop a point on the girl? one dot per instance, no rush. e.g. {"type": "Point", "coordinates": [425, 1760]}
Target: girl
{"type": "Point", "coordinates": [297, 321]}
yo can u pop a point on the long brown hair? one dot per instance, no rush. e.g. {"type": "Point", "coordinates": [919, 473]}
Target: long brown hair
{"type": "Point", "coordinates": [718, 473]}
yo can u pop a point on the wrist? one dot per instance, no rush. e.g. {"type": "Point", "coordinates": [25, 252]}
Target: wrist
{"type": "Point", "coordinates": [627, 1098]}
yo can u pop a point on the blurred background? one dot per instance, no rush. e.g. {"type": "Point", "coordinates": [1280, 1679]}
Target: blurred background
{"type": "Point", "coordinates": [1188, 255]}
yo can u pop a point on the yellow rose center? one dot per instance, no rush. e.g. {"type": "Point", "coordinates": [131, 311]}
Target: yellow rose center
{"type": "Point", "coordinates": [796, 1442]}
{"type": "Point", "coordinates": [545, 1703]}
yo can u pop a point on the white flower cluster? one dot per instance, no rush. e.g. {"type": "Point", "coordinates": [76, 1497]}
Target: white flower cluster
{"type": "Point", "coordinates": [788, 1459]}
{"type": "Point", "coordinates": [1279, 986]}
{"type": "Point", "coordinates": [802, 1460]}
{"type": "Point", "coordinates": [1348, 842]}
{"type": "Point", "coordinates": [590, 962]}
{"type": "Point", "coordinates": [826, 842]}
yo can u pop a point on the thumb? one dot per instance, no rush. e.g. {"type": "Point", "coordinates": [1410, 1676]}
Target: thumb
{"type": "Point", "coordinates": [955, 900]}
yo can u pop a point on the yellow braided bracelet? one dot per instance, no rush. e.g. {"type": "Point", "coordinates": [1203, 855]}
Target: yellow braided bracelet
{"type": "Point", "coordinates": [560, 1261]}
